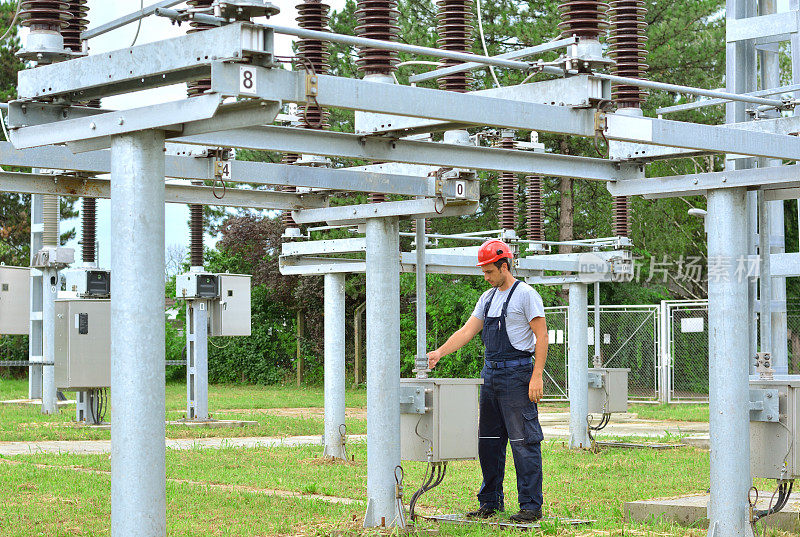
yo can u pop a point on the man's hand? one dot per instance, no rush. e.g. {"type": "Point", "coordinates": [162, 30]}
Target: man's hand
{"type": "Point", "coordinates": [433, 358]}
{"type": "Point", "coordinates": [535, 389]}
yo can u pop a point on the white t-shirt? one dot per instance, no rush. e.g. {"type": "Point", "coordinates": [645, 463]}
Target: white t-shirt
{"type": "Point", "coordinates": [525, 305]}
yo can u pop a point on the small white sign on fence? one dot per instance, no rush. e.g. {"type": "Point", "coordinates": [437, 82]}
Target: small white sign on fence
{"type": "Point", "coordinates": [590, 335]}
{"type": "Point", "coordinates": [693, 324]}
{"type": "Point", "coordinates": [606, 339]}
{"type": "Point", "coordinates": [560, 337]}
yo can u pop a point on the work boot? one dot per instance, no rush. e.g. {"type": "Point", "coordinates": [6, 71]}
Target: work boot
{"type": "Point", "coordinates": [526, 516]}
{"type": "Point", "coordinates": [484, 511]}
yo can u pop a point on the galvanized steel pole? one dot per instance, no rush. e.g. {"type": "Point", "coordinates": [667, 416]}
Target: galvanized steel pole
{"type": "Point", "coordinates": [578, 362]}
{"type": "Point", "coordinates": [728, 367]}
{"type": "Point", "coordinates": [776, 244]}
{"type": "Point", "coordinates": [334, 365]}
{"type": "Point", "coordinates": [138, 489]}
{"type": "Point", "coordinates": [728, 322]}
{"type": "Point", "coordinates": [51, 217]}
{"type": "Point", "coordinates": [383, 369]}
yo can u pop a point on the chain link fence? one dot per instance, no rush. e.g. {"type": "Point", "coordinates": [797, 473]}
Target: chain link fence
{"type": "Point", "coordinates": [793, 334]}
{"type": "Point", "coordinates": [628, 338]}
{"type": "Point", "coordinates": [634, 336]}
{"type": "Point", "coordinates": [555, 372]}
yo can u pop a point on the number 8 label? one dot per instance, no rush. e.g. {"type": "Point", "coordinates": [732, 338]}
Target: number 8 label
{"type": "Point", "coordinates": [247, 80]}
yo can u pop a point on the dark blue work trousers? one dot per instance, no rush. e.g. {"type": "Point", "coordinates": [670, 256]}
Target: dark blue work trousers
{"type": "Point", "coordinates": [508, 415]}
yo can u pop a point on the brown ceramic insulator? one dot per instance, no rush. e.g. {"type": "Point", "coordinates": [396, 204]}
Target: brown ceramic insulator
{"type": "Point", "coordinates": [427, 225]}
{"type": "Point", "coordinates": [196, 235]}
{"type": "Point", "coordinates": [286, 217]}
{"type": "Point", "coordinates": [454, 26]}
{"type": "Point", "coordinates": [377, 19]}
{"type": "Point", "coordinates": [198, 87]}
{"type": "Point", "coordinates": [376, 197]}
{"type": "Point", "coordinates": [621, 216]}
{"type": "Point", "coordinates": [507, 186]}
{"type": "Point", "coordinates": [313, 15]}
{"type": "Point", "coordinates": [88, 229]}
{"type": "Point", "coordinates": [627, 46]}
{"type": "Point", "coordinates": [44, 15]}
{"type": "Point", "coordinates": [584, 18]}
{"type": "Point", "coordinates": [533, 190]}
{"type": "Point", "coordinates": [76, 24]}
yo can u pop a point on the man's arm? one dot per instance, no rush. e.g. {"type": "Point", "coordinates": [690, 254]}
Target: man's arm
{"type": "Point", "coordinates": [536, 386]}
{"type": "Point", "coordinates": [461, 337]}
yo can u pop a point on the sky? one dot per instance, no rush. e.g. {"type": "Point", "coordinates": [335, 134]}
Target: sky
{"type": "Point", "coordinates": [153, 29]}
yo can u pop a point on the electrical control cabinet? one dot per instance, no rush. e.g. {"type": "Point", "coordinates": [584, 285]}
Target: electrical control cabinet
{"type": "Point", "coordinates": [608, 390]}
{"type": "Point", "coordinates": [439, 416]}
{"type": "Point", "coordinates": [83, 343]}
{"type": "Point", "coordinates": [774, 428]}
{"type": "Point", "coordinates": [197, 285]}
{"type": "Point", "coordinates": [15, 300]}
{"type": "Point", "coordinates": [230, 314]}
{"type": "Point", "coordinates": [88, 282]}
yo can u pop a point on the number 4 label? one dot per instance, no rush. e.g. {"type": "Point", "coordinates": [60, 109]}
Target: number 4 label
{"type": "Point", "coordinates": [247, 80]}
{"type": "Point", "coordinates": [461, 189]}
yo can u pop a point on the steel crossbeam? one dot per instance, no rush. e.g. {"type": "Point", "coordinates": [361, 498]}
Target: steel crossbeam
{"type": "Point", "coordinates": [147, 66]}
{"type": "Point", "coordinates": [92, 187]}
{"type": "Point", "coordinates": [260, 173]}
{"type": "Point", "coordinates": [310, 258]}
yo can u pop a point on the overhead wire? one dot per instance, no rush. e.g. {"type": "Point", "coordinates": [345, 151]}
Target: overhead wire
{"type": "Point", "coordinates": [13, 22]}
{"type": "Point", "coordinates": [483, 42]}
{"type": "Point", "coordinates": [138, 26]}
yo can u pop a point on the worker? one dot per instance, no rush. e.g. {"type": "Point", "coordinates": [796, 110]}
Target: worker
{"type": "Point", "coordinates": [510, 318]}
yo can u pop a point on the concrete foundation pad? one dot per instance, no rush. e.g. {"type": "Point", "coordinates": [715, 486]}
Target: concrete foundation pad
{"type": "Point", "coordinates": [700, 441]}
{"type": "Point", "coordinates": [690, 510]}
{"type": "Point", "coordinates": [36, 402]}
{"type": "Point", "coordinates": [213, 424]}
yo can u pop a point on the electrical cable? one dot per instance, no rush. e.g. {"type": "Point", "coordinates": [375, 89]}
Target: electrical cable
{"type": "Point", "coordinates": [11, 26]}
{"type": "Point", "coordinates": [398, 494]}
{"type": "Point", "coordinates": [220, 346]}
{"type": "Point", "coordinates": [139, 26]}
{"type": "Point", "coordinates": [483, 42]}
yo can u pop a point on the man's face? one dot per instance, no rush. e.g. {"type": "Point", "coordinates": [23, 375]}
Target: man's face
{"type": "Point", "coordinates": [494, 275]}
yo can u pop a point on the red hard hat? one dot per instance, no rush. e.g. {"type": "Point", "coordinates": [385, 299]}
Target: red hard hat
{"type": "Point", "coordinates": [493, 250]}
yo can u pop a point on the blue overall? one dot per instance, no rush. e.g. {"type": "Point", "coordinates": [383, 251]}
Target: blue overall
{"type": "Point", "coordinates": [507, 414]}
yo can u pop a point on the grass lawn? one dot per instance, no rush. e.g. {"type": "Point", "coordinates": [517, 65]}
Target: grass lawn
{"type": "Point", "coordinates": [292, 491]}
{"type": "Point", "coordinates": [234, 402]}
{"type": "Point", "coordinates": [577, 485]}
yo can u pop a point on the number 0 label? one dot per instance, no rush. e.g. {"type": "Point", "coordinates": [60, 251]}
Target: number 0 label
{"type": "Point", "coordinates": [461, 189]}
{"type": "Point", "coordinates": [247, 80]}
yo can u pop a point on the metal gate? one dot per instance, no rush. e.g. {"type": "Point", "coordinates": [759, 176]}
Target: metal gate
{"type": "Point", "coordinates": [555, 371]}
{"type": "Point", "coordinates": [629, 337]}
{"type": "Point", "coordinates": [686, 349]}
